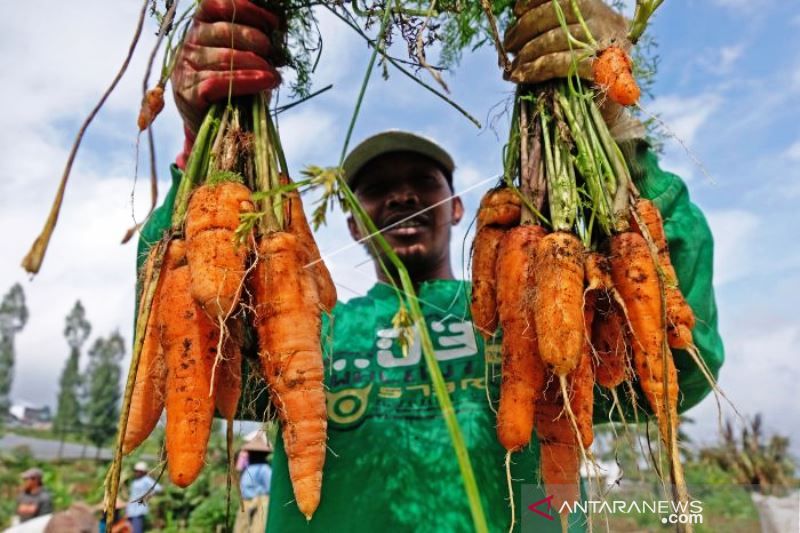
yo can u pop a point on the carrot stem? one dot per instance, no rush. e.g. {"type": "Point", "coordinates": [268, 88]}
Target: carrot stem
{"type": "Point", "coordinates": [32, 261]}
{"type": "Point", "coordinates": [378, 49]}
{"type": "Point", "coordinates": [197, 166]}
{"type": "Point", "coordinates": [148, 292]}
{"type": "Point", "coordinates": [644, 10]}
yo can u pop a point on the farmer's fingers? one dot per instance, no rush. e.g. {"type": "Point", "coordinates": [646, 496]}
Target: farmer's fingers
{"type": "Point", "coordinates": [239, 11]}
{"type": "Point", "coordinates": [552, 42]}
{"type": "Point", "coordinates": [548, 67]}
{"type": "Point", "coordinates": [543, 18]}
{"type": "Point", "coordinates": [203, 76]}
{"type": "Point", "coordinates": [216, 86]}
{"type": "Point", "coordinates": [523, 6]}
{"type": "Point", "coordinates": [202, 58]}
{"type": "Point", "coordinates": [204, 88]}
{"type": "Point", "coordinates": [227, 35]}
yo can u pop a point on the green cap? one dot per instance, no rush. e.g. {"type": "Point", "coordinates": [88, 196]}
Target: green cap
{"type": "Point", "coordinates": [394, 141]}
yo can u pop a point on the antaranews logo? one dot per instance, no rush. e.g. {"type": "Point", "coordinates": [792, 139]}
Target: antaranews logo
{"type": "Point", "coordinates": [541, 509]}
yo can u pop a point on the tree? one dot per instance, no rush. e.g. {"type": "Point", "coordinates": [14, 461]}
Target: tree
{"type": "Point", "coordinates": [68, 413]}
{"type": "Point", "coordinates": [13, 316]}
{"type": "Point", "coordinates": [103, 391]}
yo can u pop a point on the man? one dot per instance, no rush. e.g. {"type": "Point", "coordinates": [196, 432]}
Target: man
{"type": "Point", "coordinates": [391, 466]}
{"type": "Point", "coordinates": [34, 500]}
{"type": "Point", "coordinates": [254, 483]}
{"type": "Point", "coordinates": [143, 487]}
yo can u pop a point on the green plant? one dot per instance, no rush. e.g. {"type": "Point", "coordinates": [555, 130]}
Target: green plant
{"type": "Point", "coordinates": [753, 458]}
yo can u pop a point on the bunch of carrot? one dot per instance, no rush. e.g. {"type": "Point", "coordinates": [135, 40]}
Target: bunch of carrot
{"type": "Point", "coordinates": [239, 252]}
{"type": "Point", "coordinates": [574, 267]}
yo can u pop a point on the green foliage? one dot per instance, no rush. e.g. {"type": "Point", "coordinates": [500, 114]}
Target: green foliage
{"type": "Point", "coordinates": [103, 391]}
{"type": "Point", "coordinates": [68, 412]}
{"type": "Point", "coordinates": [327, 179]}
{"type": "Point", "coordinates": [468, 28]}
{"type": "Point", "coordinates": [212, 512]}
{"type": "Point", "coordinates": [221, 176]}
{"type": "Point", "coordinates": [13, 317]}
{"type": "Point", "coordinates": [752, 459]}
{"type": "Point", "coordinates": [77, 328]}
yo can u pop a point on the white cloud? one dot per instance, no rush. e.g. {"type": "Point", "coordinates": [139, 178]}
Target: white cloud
{"type": "Point", "coordinates": [793, 152]}
{"type": "Point", "coordinates": [685, 116]}
{"type": "Point", "coordinates": [757, 376]}
{"type": "Point", "coordinates": [734, 231]}
{"type": "Point", "coordinates": [722, 60]}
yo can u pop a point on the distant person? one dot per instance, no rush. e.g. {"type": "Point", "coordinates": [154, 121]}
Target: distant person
{"type": "Point", "coordinates": [143, 487]}
{"type": "Point", "coordinates": [254, 484]}
{"type": "Point", "coordinates": [34, 500]}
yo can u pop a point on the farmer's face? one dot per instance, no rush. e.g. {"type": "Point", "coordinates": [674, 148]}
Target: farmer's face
{"type": "Point", "coordinates": [30, 484]}
{"type": "Point", "coordinates": [396, 186]}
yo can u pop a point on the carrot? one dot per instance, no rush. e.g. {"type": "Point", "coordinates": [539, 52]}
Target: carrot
{"type": "Point", "coordinates": [147, 402]}
{"type": "Point", "coordinates": [558, 311]}
{"type": "Point", "coordinates": [228, 374]}
{"type": "Point", "coordinates": [189, 339]}
{"type": "Point", "coordinates": [558, 451]}
{"type": "Point", "coordinates": [581, 380]}
{"type": "Point", "coordinates": [560, 465]}
{"type": "Point", "coordinates": [499, 207]}
{"type": "Point", "coordinates": [298, 225]}
{"type": "Point", "coordinates": [635, 276]}
{"type": "Point", "coordinates": [610, 343]}
{"type": "Point", "coordinates": [216, 261]}
{"type": "Point", "coordinates": [152, 104]}
{"type": "Point", "coordinates": [523, 370]}
{"type": "Point", "coordinates": [598, 272]}
{"type": "Point", "coordinates": [613, 72]}
{"type": "Point", "coordinates": [286, 297]}
{"type": "Point", "coordinates": [484, 279]}
{"type": "Point", "coordinates": [680, 317]}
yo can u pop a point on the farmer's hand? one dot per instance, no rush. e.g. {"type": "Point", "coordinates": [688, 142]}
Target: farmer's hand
{"type": "Point", "coordinates": [543, 53]}
{"type": "Point", "coordinates": [540, 44]}
{"type": "Point", "coordinates": [229, 48]}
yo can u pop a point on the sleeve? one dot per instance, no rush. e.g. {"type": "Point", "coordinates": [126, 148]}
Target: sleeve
{"type": "Point", "coordinates": [691, 248]}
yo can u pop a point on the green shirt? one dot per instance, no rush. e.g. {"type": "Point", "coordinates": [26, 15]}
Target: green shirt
{"type": "Point", "coordinates": [390, 464]}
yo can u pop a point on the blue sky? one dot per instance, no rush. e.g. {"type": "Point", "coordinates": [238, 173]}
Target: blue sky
{"type": "Point", "coordinates": [727, 86]}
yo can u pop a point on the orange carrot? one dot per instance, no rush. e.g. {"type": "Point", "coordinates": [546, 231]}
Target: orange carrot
{"type": "Point", "coordinates": [484, 280]}
{"type": "Point", "coordinates": [523, 370]}
{"type": "Point", "coordinates": [581, 380]}
{"type": "Point", "coordinates": [598, 272]}
{"type": "Point", "coordinates": [558, 311]}
{"type": "Point", "coordinates": [680, 317]}
{"type": "Point", "coordinates": [228, 377]}
{"type": "Point", "coordinates": [152, 104]}
{"type": "Point", "coordinates": [189, 339]}
{"type": "Point", "coordinates": [559, 453]}
{"type": "Point", "coordinates": [216, 261]}
{"type": "Point", "coordinates": [610, 343]}
{"type": "Point", "coordinates": [499, 207]}
{"type": "Point", "coordinates": [286, 297]}
{"type": "Point", "coordinates": [613, 72]}
{"type": "Point", "coordinates": [298, 225]}
{"type": "Point", "coordinates": [635, 277]}
{"type": "Point", "coordinates": [147, 402]}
